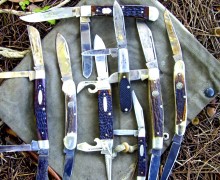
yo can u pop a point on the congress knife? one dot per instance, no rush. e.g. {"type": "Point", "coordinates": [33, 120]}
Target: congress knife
{"type": "Point", "coordinates": [105, 140]}
{"type": "Point", "coordinates": [69, 90]}
{"type": "Point", "coordinates": [142, 11]}
{"type": "Point", "coordinates": [155, 97]}
{"type": "Point", "coordinates": [180, 97]}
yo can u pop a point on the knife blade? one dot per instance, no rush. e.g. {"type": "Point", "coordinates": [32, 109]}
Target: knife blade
{"type": "Point", "coordinates": [180, 97]}
{"type": "Point", "coordinates": [155, 97]}
{"type": "Point", "coordinates": [40, 102]}
{"type": "Point", "coordinates": [105, 141]}
{"type": "Point", "coordinates": [69, 90]}
{"type": "Point", "coordinates": [86, 45]}
{"type": "Point", "coordinates": [123, 60]}
{"type": "Point", "coordinates": [142, 11]}
{"type": "Point", "coordinates": [18, 74]}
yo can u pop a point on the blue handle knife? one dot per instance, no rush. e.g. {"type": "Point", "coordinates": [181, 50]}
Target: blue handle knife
{"type": "Point", "coordinates": [105, 141]}
{"type": "Point", "coordinates": [180, 97]}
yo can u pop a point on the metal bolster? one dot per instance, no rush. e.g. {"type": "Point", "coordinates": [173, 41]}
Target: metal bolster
{"type": "Point", "coordinates": [181, 128]}
{"type": "Point", "coordinates": [123, 60]}
{"type": "Point", "coordinates": [70, 140]}
{"type": "Point", "coordinates": [40, 74]}
{"type": "Point", "coordinates": [86, 11]}
{"type": "Point", "coordinates": [153, 74]}
{"type": "Point", "coordinates": [43, 144]}
{"type": "Point", "coordinates": [157, 143]}
{"type": "Point", "coordinates": [69, 87]}
{"type": "Point", "coordinates": [141, 132]}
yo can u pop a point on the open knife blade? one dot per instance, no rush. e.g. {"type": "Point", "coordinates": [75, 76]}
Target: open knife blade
{"type": "Point", "coordinates": [180, 97]}
{"type": "Point", "coordinates": [155, 97]}
{"type": "Point", "coordinates": [40, 103]}
{"type": "Point", "coordinates": [123, 59]}
{"type": "Point", "coordinates": [69, 89]}
{"type": "Point", "coordinates": [142, 11]}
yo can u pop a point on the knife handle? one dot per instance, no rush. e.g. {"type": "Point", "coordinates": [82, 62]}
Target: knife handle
{"type": "Point", "coordinates": [40, 109]}
{"type": "Point", "coordinates": [71, 114]}
{"type": "Point", "coordinates": [105, 114]}
{"type": "Point", "coordinates": [156, 108]}
{"type": "Point", "coordinates": [142, 157]}
{"type": "Point", "coordinates": [180, 97]}
{"type": "Point", "coordinates": [125, 92]}
{"type": "Point", "coordinates": [42, 168]}
{"type": "Point", "coordinates": [137, 11]}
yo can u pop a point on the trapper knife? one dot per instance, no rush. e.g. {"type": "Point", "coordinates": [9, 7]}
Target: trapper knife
{"type": "Point", "coordinates": [42, 145]}
{"type": "Point", "coordinates": [142, 11]}
{"type": "Point", "coordinates": [105, 140]}
{"type": "Point", "coordinates": [69, 90]}
{"type": "Point", "coordinates": [155, 97]}
{"type": "Point", "coordinates": [180, 97]}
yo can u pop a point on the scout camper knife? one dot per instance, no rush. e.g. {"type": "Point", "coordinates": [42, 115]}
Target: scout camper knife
{"type": "Point", "coordinates": [69, 90]}
{"type": "Point", "coordinates": [142, 11]}
{"type": "Point", "coordinates": [42, 145]}
{"type": "Point", "coordinates": [180, 97]}
{"type": "Point", "coordinates": [141, 134]}
{"type": "Point", "coordinates": [155, 98]}
{"type": "Point", "coordinates": [105, 143]}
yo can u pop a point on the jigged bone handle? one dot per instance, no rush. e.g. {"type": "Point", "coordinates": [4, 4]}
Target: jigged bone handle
{"type": "Point", "coordinates": [105, 114]}
{"type": "Point", "coordinates": [180, 97]}
{"type": "Point", "coordinates": [125, 93]}
{"type": "Point", "coordinates": [142, 156]}
{"type": "Point", "coordinates": [40, 109]}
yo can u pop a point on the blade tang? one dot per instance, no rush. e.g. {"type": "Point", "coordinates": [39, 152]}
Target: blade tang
{"type": "Point", "coordinates": [174, 42]}
{"type": "Point", "coordinates": [180, 97]}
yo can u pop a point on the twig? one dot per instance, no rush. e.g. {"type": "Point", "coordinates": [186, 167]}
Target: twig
{"type": "Point", "coordinates": [10, 11]}
{"type": "Point", "coordinates": [10, 53]}
{"type": "Point", "coordinates": [61, 4]}
{"type": "Point", "coordinates": [2, 1]}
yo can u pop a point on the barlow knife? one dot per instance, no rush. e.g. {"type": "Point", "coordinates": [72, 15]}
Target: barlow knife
{"type": "Point", "coordinates": [142, 11]}
{"type": "Point", "coordinates": [180, 97]}
{"type": "Point", "coordinates": [105, 143]}
{"type": "Point", "coordinates": [42, 145]}
{"type": "Point", "coordinates": [155, 97]}
{"type": "Point", "coordinates": [141, 134]}
{"type": "Point", "coordinates": [69, 90]}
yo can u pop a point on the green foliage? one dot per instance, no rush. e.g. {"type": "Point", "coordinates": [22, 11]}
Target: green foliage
{"type": "Point", "coordinates": [23, 4]}
{"type": "Point", "coordinates": [52, 22]}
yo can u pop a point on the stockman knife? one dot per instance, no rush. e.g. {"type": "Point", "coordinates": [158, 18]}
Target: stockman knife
{"type": "Point", "coordinates": [142, 11]}
{"type": "Point", "coordinates": [155, 97]}
{"type": "Point", "coordinates": [180, 97]}
{"type": "Point", "coordinates": [42, 145]}
{"type": "Point", "coordinates": [69, 90]}
{"type": "Point", "coordinates": [105, 143]}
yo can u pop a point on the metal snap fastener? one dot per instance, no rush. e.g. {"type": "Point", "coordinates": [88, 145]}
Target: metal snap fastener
{"type": "Point", "coordinates": [209, 92]}
{"type": "Point", "coordinates": [166, 136]}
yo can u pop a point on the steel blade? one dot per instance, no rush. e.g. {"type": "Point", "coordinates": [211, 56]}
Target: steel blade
{"type": "Point", "coordinates": [138, 111]}
{"type": "Point", "coordinates": [101, 52]}
{"type": "Point", "coordinates": [68, 164]}
{"type": "Point", "coordinates": [36, 48]}
{"type": "Point", "coordinates": [147, 44]}
{"type": "Point", "coordinates": [42, 168]}
{"type": "Point", "coordinates": [125, 132]}
{"type": "Point", "coordinates": [57, 13]}
{"type": "Point", "coordinates": [100, 61]}
{"type": "Point", "coordinates": [13, 74]}
{"type": "Point", "coordinates": [119, 26]}
{"type": "Point", "coordinates": [154, 164]}
{"type": "Point", "coordinates": [63, 57]}
{"type": "Point", "coordinates": [108, 164]}
{"type": "Point", "coordinates": [175, 45]}
{"type": "Point", "coordinates": [85, 45]}
{"type": "Point", "coordinates": [174, 151]}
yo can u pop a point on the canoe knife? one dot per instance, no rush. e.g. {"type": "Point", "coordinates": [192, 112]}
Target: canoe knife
{"type": "Point", "coordinates": [69, 90]}
{"type": "Point", "coordinates": [180, 97]}
{"type": "Point", "coordinates": [105, 140]}
{"type": "Point", "coordinates": [155, 97]}
{"type": "Point", "coordinates": [42, 145]}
